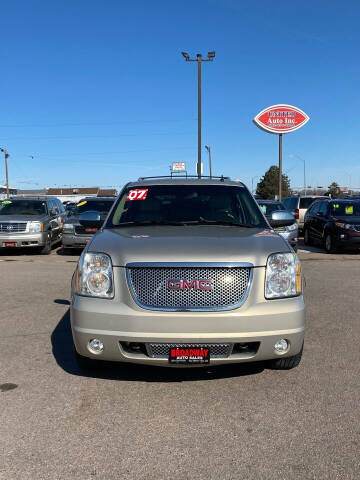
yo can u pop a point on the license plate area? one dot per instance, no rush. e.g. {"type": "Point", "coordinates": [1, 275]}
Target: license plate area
{"type": "Point", "coordinates": [189, 354]}
{"type": "Point", "coordinates": [9, 244]}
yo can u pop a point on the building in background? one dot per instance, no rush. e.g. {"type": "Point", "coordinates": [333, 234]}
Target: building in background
{"type": "Point", "coordinates": [76, 194]}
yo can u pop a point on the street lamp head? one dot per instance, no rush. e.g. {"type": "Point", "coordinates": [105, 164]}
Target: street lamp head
{"type": "Point", "coordinates": [211, 54]}
{"type": "Point", "coordinates": [185, 55]}
{"type": "Point", "coordinates": [207, 148]}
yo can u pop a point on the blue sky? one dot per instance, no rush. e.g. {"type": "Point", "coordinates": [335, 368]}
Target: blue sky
{"type": "Point", "coordinates": [98, 93]}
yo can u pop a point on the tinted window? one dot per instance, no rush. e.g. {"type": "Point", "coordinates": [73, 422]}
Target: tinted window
{"type": "Point", "coordinates": [315, 208]}
{"type": "Point", "coordinates": [345, 209]}
{"type": "Point", "coordinates": [188, 203]}
{"type": "Point", "coordinates": [323, 208]}
{"type": "Point", "coordinates": [306, 202]}
{"type": "Point", "coordinates": [290, 203]}
{"type": "Point", "coordinates": [102, 206]}
{"type": "Point", "coordinates": [23, 207]}
{"type": "Point", "coordinates": [268, 208]}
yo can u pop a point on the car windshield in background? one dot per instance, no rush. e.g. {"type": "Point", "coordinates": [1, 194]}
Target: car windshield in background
{"type": "Point", "coordinates": [268, 208]}
{"type": "Point", "coordinates": [186, 204]}
{"type": "Point", "coordinates": [345, 209]}
{"type": "Point", "coordinates": [23, 207]}
{"type": "Point", "coordinates": [100, 206]}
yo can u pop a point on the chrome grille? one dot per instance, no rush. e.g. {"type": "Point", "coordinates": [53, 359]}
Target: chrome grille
{"type": "Point", "coordinates": [161, 350]}
{"type": "Point", "coordinates": [9, 227]}
{"type": "Point", "coordinates": [149, 287]}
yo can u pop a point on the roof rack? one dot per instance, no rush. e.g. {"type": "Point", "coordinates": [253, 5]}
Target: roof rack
{"type": "Point", "coordinates": [222, 178]}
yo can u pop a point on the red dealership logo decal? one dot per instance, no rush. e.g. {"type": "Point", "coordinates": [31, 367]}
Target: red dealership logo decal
{"type": "Point", "coordinates": [281, 119]}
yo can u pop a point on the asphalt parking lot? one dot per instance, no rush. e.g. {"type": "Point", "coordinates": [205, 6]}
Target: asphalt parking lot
{"type": "Point", "coordinates": [138, 422]}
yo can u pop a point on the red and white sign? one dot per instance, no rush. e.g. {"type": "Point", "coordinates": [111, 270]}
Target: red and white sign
{"type": "Point", "coordinates": [178, 167]}
{"type": "Point", "coordinates": [137, 194]}
{"type": "Point", "coordinates": [281, 119]}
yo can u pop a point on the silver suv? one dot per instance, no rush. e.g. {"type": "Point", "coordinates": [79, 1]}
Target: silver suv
{"type": "Point", "coordinates": [35, 222]}
{"type": "Point", "coordinates": [188, 272]}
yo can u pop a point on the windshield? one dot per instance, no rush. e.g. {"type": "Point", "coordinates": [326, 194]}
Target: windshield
{"type": "Point", "coordinates": [305, 202]}
{"type": "Point", "coordinates": [102, 206]}
{"type": "Point", "coordinates": [345, 209]}
{"type": "Point", "coordinates": [186, 204]}
{"type": "Point", "coordinates": [23, 207]}
{"type": "Point", "coordinates": [268, 208]}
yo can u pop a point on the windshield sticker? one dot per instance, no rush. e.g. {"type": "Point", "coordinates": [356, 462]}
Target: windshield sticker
{"type": "Point", "coordinates": [349, 209]}
{"type": "Point", "coordinates": [81, 203]}
{"type": "Point", "coordinates": [335, 206]}
{"type": "Point", "coordinates": [6, 202]}
{"type": "Point", "coordinates": [137, 194]}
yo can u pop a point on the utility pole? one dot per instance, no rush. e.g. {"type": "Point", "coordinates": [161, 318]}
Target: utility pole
{"type": "Point", "coordinates": [210, 166]}
{"type": "Point", "coordinates": [199, 59]}
{"type": "Point", "coordinates": [6, 156]}
{"type": "Point", "coordinates": [280, 167]}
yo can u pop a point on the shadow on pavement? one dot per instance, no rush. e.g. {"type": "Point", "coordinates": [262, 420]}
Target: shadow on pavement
{"type": "Point", "coordinates": [62, 346]}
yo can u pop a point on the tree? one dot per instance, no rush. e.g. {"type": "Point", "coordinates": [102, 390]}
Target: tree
{"type": "Point", "coordinates": [268, 187]}
{"type": "Point", "coordinates": [333, 190]}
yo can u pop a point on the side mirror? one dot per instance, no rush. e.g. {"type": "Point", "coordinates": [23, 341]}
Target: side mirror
{"type": "Point", "coordinates": [281, 218]}
{"type": "Point", "coordinates": [91, 219]}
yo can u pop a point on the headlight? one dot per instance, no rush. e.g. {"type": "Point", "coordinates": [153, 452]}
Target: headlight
{"type": "Point", "coordinates": [35, 227]}
{"type": "Point", "coordinates": [68, 228]}
{"type": "Point", "coordinates": [292, 227]}
{"type": "Point", "coordinates": [346, 226]}
{"type": "Point", "coordinates": [95, 275]}
{"type": "Point", "coordinates": [283, 276]}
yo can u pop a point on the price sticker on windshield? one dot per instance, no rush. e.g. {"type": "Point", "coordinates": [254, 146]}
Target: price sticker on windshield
{"type": "Point", "coordinates": [137, 194]}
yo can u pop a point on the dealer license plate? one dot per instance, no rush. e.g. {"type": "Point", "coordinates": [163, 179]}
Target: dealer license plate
{"type": "Point", "coordinates": [91, 230]}
{"type": "Point", "coordinates": [9, 244]}
{"type": "Point", "coordinates": [189, 355]}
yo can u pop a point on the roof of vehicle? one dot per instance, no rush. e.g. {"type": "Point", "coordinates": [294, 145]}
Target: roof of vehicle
{"type": "Point", "coordinates": [178, 180]}
{"type": "Point", "coordinates": [260, 200]}
{"type": "Point", "coordinates": [306, 196]}
{"type": "Point", "coordinates": [340, 200]}
{"type": "Point", "coordinates": [33, 197]}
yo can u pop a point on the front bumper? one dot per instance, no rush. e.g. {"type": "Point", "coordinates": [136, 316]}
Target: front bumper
{"type": "Point", "coordinates": [348, 240]}
{"type": "Point", "coordinates": [24, 239]}
{"type": "Point", "coordinates": [70, 240]}
{"type": "Point", "coordinates": [121, 320]}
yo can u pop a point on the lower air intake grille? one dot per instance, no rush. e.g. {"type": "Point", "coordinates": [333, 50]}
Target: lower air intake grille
{"type": "Point", "coordinates": [161, 350]}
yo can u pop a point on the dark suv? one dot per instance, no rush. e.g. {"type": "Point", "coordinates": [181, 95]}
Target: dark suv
{"type": "Point", "coordinates": [333, 223]}
{"type": "Point", "coordinates": [31, 222]}
{"type": "Point", "coordinates": [76, 233]}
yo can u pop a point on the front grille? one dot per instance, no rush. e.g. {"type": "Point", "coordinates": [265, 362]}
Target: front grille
{"type": "Point", "coordinates": [9, 227]}
{"type": "Point", "coordinates": [149, 286]}
{"type": "Point", "coordinates": [161, 350]}
{"type": "Point", "coordinates": [357, 228]}
{"type": "Point", "coordinates": [280, 229]}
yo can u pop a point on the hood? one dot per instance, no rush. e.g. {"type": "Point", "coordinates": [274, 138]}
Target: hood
{"type": "Point", "coordinates": [22, 218]}
{"type": "Point", "coordinates": [350, 220]}
{"type": "Point", "coordinates": [188, 244]}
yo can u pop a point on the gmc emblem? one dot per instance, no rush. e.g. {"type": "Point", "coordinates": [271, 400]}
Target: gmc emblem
{"type": "Point", "coordinates": [192, 285]}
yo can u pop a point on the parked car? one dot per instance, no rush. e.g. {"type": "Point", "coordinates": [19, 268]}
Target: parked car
{"type": "Point", "coordinates": [31, 222]}
{"type": "Point", "coordinates": [335, 224]}
{"type": "Point", "coordinates": [299, 205]}
{"type": "Point", "coordinates": [188, 272]}
{"type": "Point", "coordinates": [290, 233]}
{"type": "Point", "coordinates": [77, 234]}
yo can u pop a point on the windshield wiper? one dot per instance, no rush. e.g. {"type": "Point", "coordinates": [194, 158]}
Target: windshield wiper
{"type": "Point", "coordinates": [203, 221]}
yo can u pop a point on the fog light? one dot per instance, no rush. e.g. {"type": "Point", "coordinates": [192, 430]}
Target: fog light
{"type": "Point", "coordinates": [95, 346]}
{"type": "Point", "coordinates": [281, 346]}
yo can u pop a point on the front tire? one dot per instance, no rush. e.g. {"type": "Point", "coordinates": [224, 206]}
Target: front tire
{"type": "Point", "coordinates": [46, 249]}
{"type": "Point", "coordinates": [330, 245]}
{"type": "Point", "coordinates": [307, 240]}
{"type": "Point", "coordinates": [287, 363]}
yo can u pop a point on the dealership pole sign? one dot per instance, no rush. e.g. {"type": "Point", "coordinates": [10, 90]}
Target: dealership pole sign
{"type": "Point", "coordinates": [280, 119]}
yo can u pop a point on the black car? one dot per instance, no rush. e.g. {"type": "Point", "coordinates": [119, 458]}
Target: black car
{"type": "Point", "coordinates": [77, 235]}
{"type": "Point", "coordinates": [334, 224]}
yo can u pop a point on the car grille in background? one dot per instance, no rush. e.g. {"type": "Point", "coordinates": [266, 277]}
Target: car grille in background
{"type": "Point", "coordinates": [80, 230]}
{"type": "Point", "coordinates": [149, 287]}
{"type": "Point", "coordinates": [280, 229]}
{"type": "Point", "coordinates": [9, 227]}
{"type": "Point", "coordinates": [161, 350]}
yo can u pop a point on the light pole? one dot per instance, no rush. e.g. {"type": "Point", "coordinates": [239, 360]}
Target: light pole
{"type": "Point", "coordinates": [252, 183]}
{"type": "Point", "coordinates": [6, 156]}
{"type": "Point", "coordinates": [210, 165]}
{"type": "Point", "coordinates": [199, 59]}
